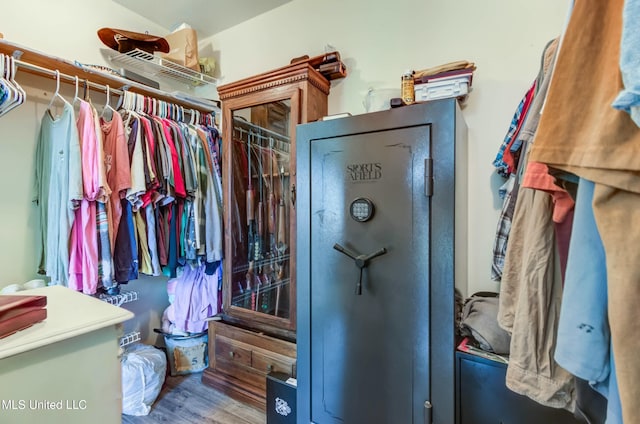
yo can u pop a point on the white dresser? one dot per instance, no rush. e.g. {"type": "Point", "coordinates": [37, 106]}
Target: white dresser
{"type": "Point", "coordinates": [66, 369]}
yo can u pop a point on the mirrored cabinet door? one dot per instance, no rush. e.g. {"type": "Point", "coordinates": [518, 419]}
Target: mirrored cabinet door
{"type": "Point", "coordinates": [259, 119]}
{"type": "Point", "coordinates": [261, 151]}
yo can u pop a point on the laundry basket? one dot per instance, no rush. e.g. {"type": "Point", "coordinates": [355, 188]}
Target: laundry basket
{"type": "Point", "coordinates": [186, 354]}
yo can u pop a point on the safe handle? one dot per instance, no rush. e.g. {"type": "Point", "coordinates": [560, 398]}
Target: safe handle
{"type": "Point", "coordinates": [361, 261]}
{"type": "Point", "coordinates": [346, 251]}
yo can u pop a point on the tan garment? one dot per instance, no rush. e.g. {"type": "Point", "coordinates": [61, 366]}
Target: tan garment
{"type": "Point", "coordinates": [617, 214]}
{"type": "Point", "coordinates": [530, 300]}
{"type": "Point", "coordinates": [578, 127]}
{"type": "Point", "coordinates": [530, 296]}
{"type": "Point", "coordinates": [581, 133]}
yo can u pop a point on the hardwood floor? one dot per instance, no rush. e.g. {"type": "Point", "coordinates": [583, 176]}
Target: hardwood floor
{"type": "Point", "coordinates": [185, 400]}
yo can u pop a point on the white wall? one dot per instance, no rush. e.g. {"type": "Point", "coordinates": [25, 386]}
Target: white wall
{"type": "Point", "coordinates": [67, 29]}
{"type": "Point", "coordinates": [379, 40]}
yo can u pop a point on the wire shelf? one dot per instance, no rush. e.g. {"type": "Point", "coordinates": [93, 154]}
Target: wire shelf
{"type": "Point", "coordinates": [129, 338]}
{"type": "Point", "coordinates": [119, 299]}
{"type": "Point", "coordinates": [153, 65]}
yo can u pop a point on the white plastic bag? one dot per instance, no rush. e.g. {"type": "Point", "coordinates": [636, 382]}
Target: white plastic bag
{"type": "Point", "coordinates": [143, 372]}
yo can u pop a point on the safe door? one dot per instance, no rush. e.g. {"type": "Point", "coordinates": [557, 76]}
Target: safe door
{"type": "Point", "coordinates": [369, 270]}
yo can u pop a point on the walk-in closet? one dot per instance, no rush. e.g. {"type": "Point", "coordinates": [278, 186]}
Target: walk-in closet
{"type": "Point", "coordinates": [287, 212]}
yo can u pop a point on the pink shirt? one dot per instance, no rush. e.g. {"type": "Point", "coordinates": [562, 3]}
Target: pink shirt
{"type": "Point", "coordinates": [88, 152]}
{"type": "Point", "coordinates": [537, 177]}
{"type": "Point", "coordinates": [83, 255]}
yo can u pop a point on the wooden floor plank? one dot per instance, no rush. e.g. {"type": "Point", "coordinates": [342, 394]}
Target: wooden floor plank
{"type": "Point", "coordinates": [185, 400]}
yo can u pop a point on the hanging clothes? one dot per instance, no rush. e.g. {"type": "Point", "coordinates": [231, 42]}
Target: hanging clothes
{"type": "Point", "coordinates": [521, 131]}
{"type": "Point", "coordinates": [58, 190]}
{"type": "Point", "coordinates": [584, 337]}
{"type": "Point", "coordinates": [195, 298]}
{"type": "Point", "coordinates": [83, 266]}
{"type": "Point", "coordinates": [147, 197]}
{"type": "Point", "coordinates": [504, 162]}
{"type": "Point", "coordinates": [592, 139]}
{"type": "Point", "coordinates": [530, 300]}
{"type": "Point", "coordinates": [628, 99]}
{"type": "Point", "coordinates": [601, 144]}
{"type": "Point", "coordinates": [530, 295]}
{"type": "Point", "coordinates": [117, 169]}
{"type": "Point", "coordinates": [136, 160]}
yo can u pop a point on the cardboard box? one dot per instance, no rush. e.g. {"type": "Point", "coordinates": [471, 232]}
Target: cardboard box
{"type": "Point", "coordinates": [184, 48]}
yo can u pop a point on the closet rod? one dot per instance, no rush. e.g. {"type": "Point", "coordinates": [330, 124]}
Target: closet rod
{"type": "Point", "coordinates": [38, 63]}
{"type": "Point", "coordinates": [70, 78]}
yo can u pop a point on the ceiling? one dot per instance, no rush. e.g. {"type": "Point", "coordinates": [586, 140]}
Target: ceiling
{"type": "Point", "coordinates": [207, 17]}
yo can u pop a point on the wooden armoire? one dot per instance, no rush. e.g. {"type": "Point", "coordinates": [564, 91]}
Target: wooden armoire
{"type": "Point", "coordinates": [257, 333]}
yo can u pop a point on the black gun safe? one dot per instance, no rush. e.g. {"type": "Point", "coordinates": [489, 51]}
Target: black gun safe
{"type": "Point", "coordinates": [381, 204]}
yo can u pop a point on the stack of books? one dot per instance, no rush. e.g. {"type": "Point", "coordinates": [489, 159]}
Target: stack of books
{"type": "Point", "coordinates": [449, 80]}
{"type": "Point", "coordinates": [20, 312]}
{"type": "Point", "coordinates": [467, 346]}
{"type": "Point", "coordinates": [330, 65]}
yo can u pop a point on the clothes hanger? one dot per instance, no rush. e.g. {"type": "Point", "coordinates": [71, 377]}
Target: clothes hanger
{"type": "Point", "coordinates": [120, 104]}
{"type": "Point", "coordinates": [75, 97]}
{"type": "Point", "coordinates": [56, 95]}
{"type": "Point", "coordinates": [139, 103]}
{"type": "Point", "coordinates": [8, 100]}
{"type": "Point", "coordinates": [5, 91]}
{"type": "Point", "coordinates": [107, 110]}
{"type": "Point", "coordinates": [14, 69]}
{"type": "Point", "coordinates": [77, 101]}
{"type": "Point", "coordinates": [86, 95]}
{"type": "Point", "coordinates": [129, 101]}
{"type": "Point", "coordinates": [12, 99]}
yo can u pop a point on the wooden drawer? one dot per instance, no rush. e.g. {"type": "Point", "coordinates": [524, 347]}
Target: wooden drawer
{"type": "Point", "coordinates": [265, 363]}
{"type": "Point", "coordinates": [231, 351]}
{"type": "Point", "coordinates": [242, 373]}
{"type": "Point", "coordinates": [239, 361]}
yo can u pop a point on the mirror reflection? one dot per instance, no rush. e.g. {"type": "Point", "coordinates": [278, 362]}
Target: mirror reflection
{"type": "Point", "coordinates": [260, 212]}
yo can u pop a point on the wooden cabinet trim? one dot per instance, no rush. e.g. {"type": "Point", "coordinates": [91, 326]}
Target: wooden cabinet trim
{"type": "Point", "coordinates": [278, 77]}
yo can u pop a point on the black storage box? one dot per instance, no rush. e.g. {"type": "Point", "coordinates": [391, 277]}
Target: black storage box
{"type": "Point", "coordinates": [281, 399]}
{"type": "Point", "coordinates": [483, 397]}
